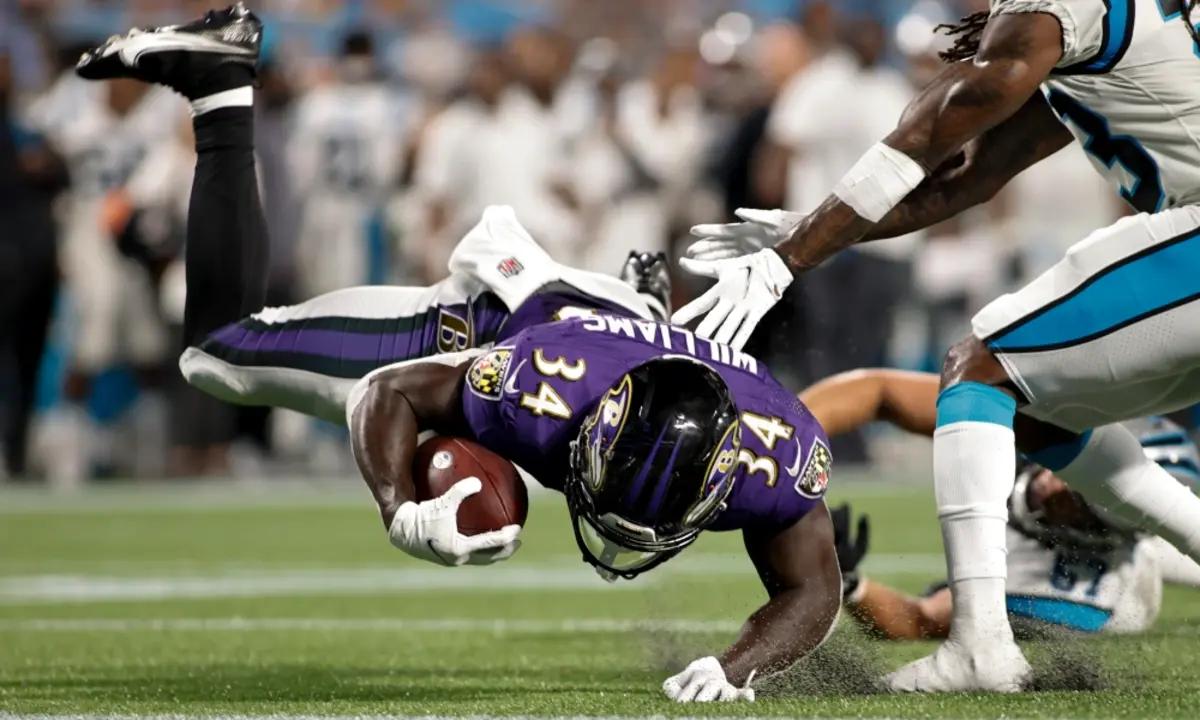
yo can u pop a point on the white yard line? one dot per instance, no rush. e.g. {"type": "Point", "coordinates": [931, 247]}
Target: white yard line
{"type": "Point", "coordinates": [232, 581]}
{"type": "Point", "coordinates": [322, 624]}
{"type": "Point", "coordinates": [696, 562]}
{"type": "Point", "coordinates": [23, 589]}
{"type": "Point", "coordinates": [283, 716]}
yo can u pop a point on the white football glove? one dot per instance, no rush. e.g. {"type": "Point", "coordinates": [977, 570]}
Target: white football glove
{"type": "Point", "coordinates": [762, 228]}
{"type": "Point", "coordinates": [747, 287]}
{"type": "Point", "coordinates": [704, 681]}
{"type": "Point", "coordinates": [429, 530]}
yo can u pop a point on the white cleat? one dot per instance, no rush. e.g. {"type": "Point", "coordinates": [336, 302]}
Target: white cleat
{"type": "Point", "coordinates": [996, 667]}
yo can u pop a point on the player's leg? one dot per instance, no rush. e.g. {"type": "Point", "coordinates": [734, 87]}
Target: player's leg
{"type": "Point", "coordinates": [1110, 333]}
{"type": "Point", "coordinates": [211, 63]}
{"type": "Point", "coordinates": [304, 357]}
{"type": "Point", "coordinates": [974, 463]}
{"type": "Point", "coordinates": [307, 357]}
{"type": "Point", "coordinates": [1109, 467]}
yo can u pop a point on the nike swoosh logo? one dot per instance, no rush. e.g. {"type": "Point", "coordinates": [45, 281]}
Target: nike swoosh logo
{"type": "Point", "coordinates": [794, 470]}
{"type": "Point", "coordinates": [510, 385]}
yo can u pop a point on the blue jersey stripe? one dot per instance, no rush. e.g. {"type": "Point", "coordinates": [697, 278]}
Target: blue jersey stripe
{"type": "Point", "coordinates": [975, 402]}
{"type": "Point", "coordinates": [1164, 277]}
{"type": "Point", "coordinates": [1056, 611]}
{"type": "Point", "coordinates": [1118, 32]}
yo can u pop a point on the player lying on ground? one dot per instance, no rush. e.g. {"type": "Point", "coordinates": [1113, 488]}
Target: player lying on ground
{"type": "Point", "coordinates": [651, 434]}
{"type": "Point", "coordinates": [1069, 565]}
{"type": "Point", "coordinates": [1110, 333]}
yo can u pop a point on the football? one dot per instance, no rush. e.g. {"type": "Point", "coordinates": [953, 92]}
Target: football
{"type": "Point", "coordinates": [442, 461]}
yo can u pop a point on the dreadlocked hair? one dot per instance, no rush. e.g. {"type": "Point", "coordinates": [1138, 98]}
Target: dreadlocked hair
{"type": "Point", "coordinates": [966, 33]}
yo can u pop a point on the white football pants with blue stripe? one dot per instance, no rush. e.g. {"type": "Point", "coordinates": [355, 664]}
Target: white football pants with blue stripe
{"type": "Point", "coordinates": [1111, 332]}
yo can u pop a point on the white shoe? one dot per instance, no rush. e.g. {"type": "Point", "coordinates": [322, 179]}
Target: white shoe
{"type": "Point", "coordinates": [994, 667]}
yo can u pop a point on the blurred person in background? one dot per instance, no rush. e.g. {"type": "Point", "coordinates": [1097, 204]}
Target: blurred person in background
{"type": "Point", "coordinates": [824, 118]}
{"type": "Point", "coordinates": [521, 155]}
{"type": "Point", "coordinates": [30, 176]}
{"type": "Point", "coordinates": [635, 166]}
{"type": "Point", "coordinates": [505, 142]}
{"type": "Point", "coordinates": [779, 52]}
{"type": "Point", "coordinates": [346, 149]}
{"type": "Point", "coordinates": [104, 132]}
{"type": "Point", "coordinates": [444, 174]}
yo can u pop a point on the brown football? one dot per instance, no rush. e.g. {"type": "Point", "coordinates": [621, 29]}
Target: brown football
{"type": "Point", "coordinates": [443, 461]}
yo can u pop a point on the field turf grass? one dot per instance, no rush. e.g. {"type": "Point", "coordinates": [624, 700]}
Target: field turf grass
{"type": "Point", "coordinates": [284, 599]}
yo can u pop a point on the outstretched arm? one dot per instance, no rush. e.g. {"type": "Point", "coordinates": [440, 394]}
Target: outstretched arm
{"type": "Point", "coordinates": [798, 567]}
{"type": "Point", "coordinates": [846, 401]}
{"type": "Point", "coordinates": [965, 101]}
{"type": "Point", "coordinates": [890, 614]}
{"type": "Point", "coordinates": [985, 166]}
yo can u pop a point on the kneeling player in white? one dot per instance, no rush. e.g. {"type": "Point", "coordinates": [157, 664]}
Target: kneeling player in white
{"type": "Point", "coordinates": [1070, 566]}
{"type": "Point", "coordinates": [1110, 333]}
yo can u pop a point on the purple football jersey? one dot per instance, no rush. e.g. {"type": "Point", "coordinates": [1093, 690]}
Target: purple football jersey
{"type": "Point", "coordinates": [526, 399]}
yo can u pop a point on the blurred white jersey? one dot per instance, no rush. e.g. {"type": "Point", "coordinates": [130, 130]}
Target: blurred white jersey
{"type": "Point", "coordinates": [1128, 87]}
{"type": "Point", "coordinates": [348, 139]}
{"type": "Point", "coordinates": [346, 153]}
{"type": "Point", "coordinates": [103, 150]}
{"type": "Point", "coordinates": [1119, 591]}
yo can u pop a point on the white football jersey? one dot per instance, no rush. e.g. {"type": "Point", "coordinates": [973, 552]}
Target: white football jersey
{"type": "Point", "coordinates": [101, 148]}
{"type": "Point", "coordinates": [1120, 591]}
{"type": "Point", "coordinates": [1128, 87]}
{"type": "Point", "coordinates": [348, 139]}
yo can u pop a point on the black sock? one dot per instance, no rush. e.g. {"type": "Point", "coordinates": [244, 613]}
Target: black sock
{"type": "Point", "coordinates": [226, 255]}
{"type": "Point", "coordinates": [225, 76]}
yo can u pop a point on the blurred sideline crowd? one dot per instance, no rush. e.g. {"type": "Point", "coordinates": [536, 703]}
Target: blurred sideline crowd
{"type": "Point", "coordinates": [385, 127]}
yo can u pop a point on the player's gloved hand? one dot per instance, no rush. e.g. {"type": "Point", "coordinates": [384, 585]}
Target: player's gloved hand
{"type": "Point", "coordinates": [747, 287]}
{"type": "Point", "coordinates": [850, 549]}
{"type": "Point", "coordinates": [762, 228]}
{"type": "Point", "coordinates": [429, 530]}
{"type": "Point", "coordinates": [704, 681]}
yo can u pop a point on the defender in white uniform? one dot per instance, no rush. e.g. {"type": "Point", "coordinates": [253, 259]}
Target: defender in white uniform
{"type": "Point", "coordinates": [1113, 331]}
{"type": "Point", "coordinates": [1070, 565]}
{"type": "Point", "coordinates": [346, 153]}
{"type": "Point", "coordinates": [1110, 333]}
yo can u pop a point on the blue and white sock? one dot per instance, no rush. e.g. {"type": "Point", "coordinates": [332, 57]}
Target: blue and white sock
{"type": "Point", "coordinates": [974, 465]}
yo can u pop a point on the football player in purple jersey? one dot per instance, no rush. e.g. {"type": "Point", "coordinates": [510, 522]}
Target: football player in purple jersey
{"type": "Point", "coordinates": [651, 433]}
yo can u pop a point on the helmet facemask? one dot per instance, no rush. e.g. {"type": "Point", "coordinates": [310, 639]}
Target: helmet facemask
{"type": "Point", "coordinates": [651, 467]}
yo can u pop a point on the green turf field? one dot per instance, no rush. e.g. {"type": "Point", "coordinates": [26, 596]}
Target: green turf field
{"type": "Point", "coordinates": [283, 599]}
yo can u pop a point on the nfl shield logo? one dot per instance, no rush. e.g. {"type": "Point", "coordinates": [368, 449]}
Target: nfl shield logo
{"type": "Point", "coordinates": [815, 477]}
{"type": "Point", "coordinates": [510, 267]}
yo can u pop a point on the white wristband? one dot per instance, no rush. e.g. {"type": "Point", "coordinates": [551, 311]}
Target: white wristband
{"type": "Point", "coordinates": [880, 179]}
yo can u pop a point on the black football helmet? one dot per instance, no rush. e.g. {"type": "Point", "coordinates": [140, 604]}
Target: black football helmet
{"type": "Point", "coordinates": [652, 465]}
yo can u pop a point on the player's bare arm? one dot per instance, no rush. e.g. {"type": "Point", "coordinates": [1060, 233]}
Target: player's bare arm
{"type": "Point", "coordinates": [967, 99]}
{"type": "Point", "coordinates": [397, 406]}
{"type": "Point", "coordinates": [799, 569]}
{"type": "Point", "coordinates": [849, 400]}
{"type": "Point", "coordinates": [986, 165]}
{"type": "Point", "coordinates": [890, 614]}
